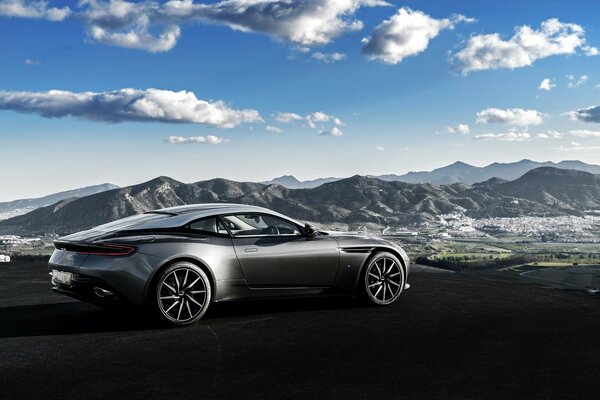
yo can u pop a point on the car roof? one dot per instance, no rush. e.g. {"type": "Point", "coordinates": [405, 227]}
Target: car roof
{"type": "Point", "coordinates": [182, 215]}
{"type": "Point", "coordinates": [211, 208]}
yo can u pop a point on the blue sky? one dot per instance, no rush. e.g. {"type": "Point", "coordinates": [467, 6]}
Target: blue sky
{"type": "Point", "coordinates": [368, 88]}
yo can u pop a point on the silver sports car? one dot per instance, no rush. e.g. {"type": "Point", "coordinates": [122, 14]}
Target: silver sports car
{"type": "Point", "coordinates": [176, 261]}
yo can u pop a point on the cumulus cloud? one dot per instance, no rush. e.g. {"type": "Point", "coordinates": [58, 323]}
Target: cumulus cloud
{"type": "Point", "coordinates": [156, 26]}
{"type": "Point", "coordinates": [210, 139]}
{"type": "Point", "coordinates": [29, 61]}
{"type": "Point", "coordinates": [584, 133]}
{"type": "Point", "coordinates": [328, 58]}
{"type": "Point", "coordinates": [147, 25]}
{"type": "Point", "coordinates": [576, 82]}
{"type": "Point", "coordinates": [506, 137]}
{"type": "Point", "coordinates": [128, 105]}
{"type": "Point", "coordinates": [549, 135]}
{"type": "Point", "coordinates": [33, 9]}
{"type": "Point", "coordinates": [484, 52]}
{"type": "Point", "coordinates": [590, 114]}
{"type": "Point", "coordinates": [287, 117]}
{"type": "Point", "coordinates": [405, 34]}
{"type": "Point", "coordinates": [510, 116]}
{"type": "Point", "coordinates": [547, 85]}
{"type": "Point", "coordinates": [335, 131]}
{"type": "Point", "coordinates": [590, 51]}
{"type": "Point", "coordinates": [305, 23]}
{"type": "Point", "coordinates": [273, 129]}
{"type": "Point", "coordinates": [463, 129]}
{"type": "Point", "coordinates": [312, 119]}
{"type": "Point", "coordinates": [317, 117]}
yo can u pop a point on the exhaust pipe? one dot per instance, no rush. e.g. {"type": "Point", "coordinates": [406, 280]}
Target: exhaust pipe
{"type": "Point", "coordinates": [102, 292]}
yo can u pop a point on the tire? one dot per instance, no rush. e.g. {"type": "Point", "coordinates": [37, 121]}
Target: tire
{"type": "Point", "coordinates": [383, 279]}
{"type": "Point", "coordinates": [182, 294]}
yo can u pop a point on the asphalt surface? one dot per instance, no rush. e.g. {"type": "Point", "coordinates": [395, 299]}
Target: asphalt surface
{"type": "Point", "coordinates": [447, 337]}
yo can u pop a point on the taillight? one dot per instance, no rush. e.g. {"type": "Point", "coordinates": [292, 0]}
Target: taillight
{"type": "Point", "coordinates": [108, 250]}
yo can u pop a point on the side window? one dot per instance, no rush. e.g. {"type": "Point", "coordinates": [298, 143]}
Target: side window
{"type": "Point", "coordinates": [209, 226]}
{"type": "Point", "coordinates": [260, 225]}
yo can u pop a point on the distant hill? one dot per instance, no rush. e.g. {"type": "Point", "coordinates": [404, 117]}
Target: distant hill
{"type": "Point", "coordinates": [563, 189]}
{"type": "Point", "coordinates": [355, 200]}
{"type": "Point", "coordinates": [465, 173]}
{"type": "Point", "coordinates": [13, 208]}
{"type": "Point", "coordinates": [457, 172]}
{"type": "Point", "coordinates": [291, 182]}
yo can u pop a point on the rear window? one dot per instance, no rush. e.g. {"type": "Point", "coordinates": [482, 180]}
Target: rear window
{"type": "Point", "coordinates": [128, 222]}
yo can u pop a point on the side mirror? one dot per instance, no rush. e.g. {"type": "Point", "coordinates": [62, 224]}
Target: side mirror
{"type": "Point", "coordinates": [309, 230]}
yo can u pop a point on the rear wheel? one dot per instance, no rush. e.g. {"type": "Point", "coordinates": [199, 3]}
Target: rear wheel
{"type": "Point", "coordinates": [182, 294]}
{"type": "Point", "coordinates": [383, 279]}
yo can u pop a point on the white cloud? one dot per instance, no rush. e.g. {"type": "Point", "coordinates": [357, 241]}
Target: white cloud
{"type": "Point", "coordinates": [141, 39]}
{"type": "Point", "coordinates": [335, 131]}
{"type": "Point", "coordinates": [147, 25]}
{"type": "Point", "coordinates": [528, 45]}
{"type": "Point", "coordinates": [210, 139]}
{"type": "Point", "coordinates": [510, 116]}
{"type": "Point", "coordinates": [287, 117]}
{"type": "Point", "coordinates": [128, 105]}
{"type": "Point", "coordinates": [155, 27]}
{"type": "Point", "coordinates": [549, 135]}
{"type": "Point", "coordinates": [547, 84]}
{"type": "Point", "coordinates": [380, 148]}
{"type": "Point", "coordinates": [584, 133]}
{"type": "Point", "coordinates": [590, 51]}
{"type": "Point", "coordinates": [327, 124]}
{"type": "Point", "coordinates": [33, 9]}
{"type": "Point", "coordinates": [273, 129]}
{"type": "Point", "coordinates": [575, 144]}
{"type": "Point", "coordinates": [506, 137]}
{"type": "Point", "coordinates": [317, 117]}
{"type": "Point", "coordinates": [590, 114]}
{"type": "Point", "coordinates": [578, 148]}
{"type": "Point", "coordinates": [328, 58]}
{"type": "Point", "coordinates": [405, 34]}
{"type": "Point", "coordinates": [463, 129]}
{"type": "Point", "coordinates": [312, 119]}
{"type": "Point", "coordinates": [573, 83]}
{"type": "Point", "coordinates": [29, 61]}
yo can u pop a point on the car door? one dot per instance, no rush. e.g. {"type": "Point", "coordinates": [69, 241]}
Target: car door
{"type": "Point", "coordinates": [274, 253]}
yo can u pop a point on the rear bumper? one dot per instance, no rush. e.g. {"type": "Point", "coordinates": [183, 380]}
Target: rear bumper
{"type": "Point", "coordinates": [125, 276]}
{"type": "Point", "coordinates": [91, 290]}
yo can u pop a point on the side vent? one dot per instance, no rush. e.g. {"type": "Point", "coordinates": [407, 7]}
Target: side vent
{"type": "Point", "coordinates": [356, 249]}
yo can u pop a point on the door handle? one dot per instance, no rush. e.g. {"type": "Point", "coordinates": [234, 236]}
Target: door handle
{"type": "Point", "coordinates": [250, 249]}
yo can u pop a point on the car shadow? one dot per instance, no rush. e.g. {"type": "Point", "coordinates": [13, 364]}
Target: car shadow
{"type": "Point", "coordinates": [80, 318]}
{"type": "Point", "coordinates": [257, 307]}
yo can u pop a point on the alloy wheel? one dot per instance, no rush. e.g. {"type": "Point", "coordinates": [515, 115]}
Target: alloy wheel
{"type": "Point", "coordinates": [383, 280]}
{"type": "Point", "coordinates": [183, 293]}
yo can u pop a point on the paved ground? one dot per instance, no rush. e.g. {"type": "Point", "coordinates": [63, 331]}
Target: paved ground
{"type": "Point", "coordinates": [448, 337]}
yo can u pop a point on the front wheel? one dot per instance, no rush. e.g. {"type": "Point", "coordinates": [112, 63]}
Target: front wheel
{"type": "Point", "coordinates": [383, 279]}
{"type": "Point", "coordinates": [182, 294]}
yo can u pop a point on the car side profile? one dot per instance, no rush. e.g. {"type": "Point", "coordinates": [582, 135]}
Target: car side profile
{"type": "Point", "coordinates": [177, 261]}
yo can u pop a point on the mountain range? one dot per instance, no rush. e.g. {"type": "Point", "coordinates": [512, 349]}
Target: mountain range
{"type": "Point", "coordinates": [457, 172]}
{"type": "Point", "coordinates": [545, 191]}
{"type": "Point", "coordinates": [9, 209]}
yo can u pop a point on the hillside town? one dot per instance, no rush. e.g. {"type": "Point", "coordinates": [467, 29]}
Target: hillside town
{"type": "Point", "coordinates": [560, 229]}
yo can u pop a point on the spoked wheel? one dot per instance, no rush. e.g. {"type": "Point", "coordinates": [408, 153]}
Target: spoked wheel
{"type": "Point", "coordinates": [384, 279]}
{"type": "Point", "coordinates": [182, 294]}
